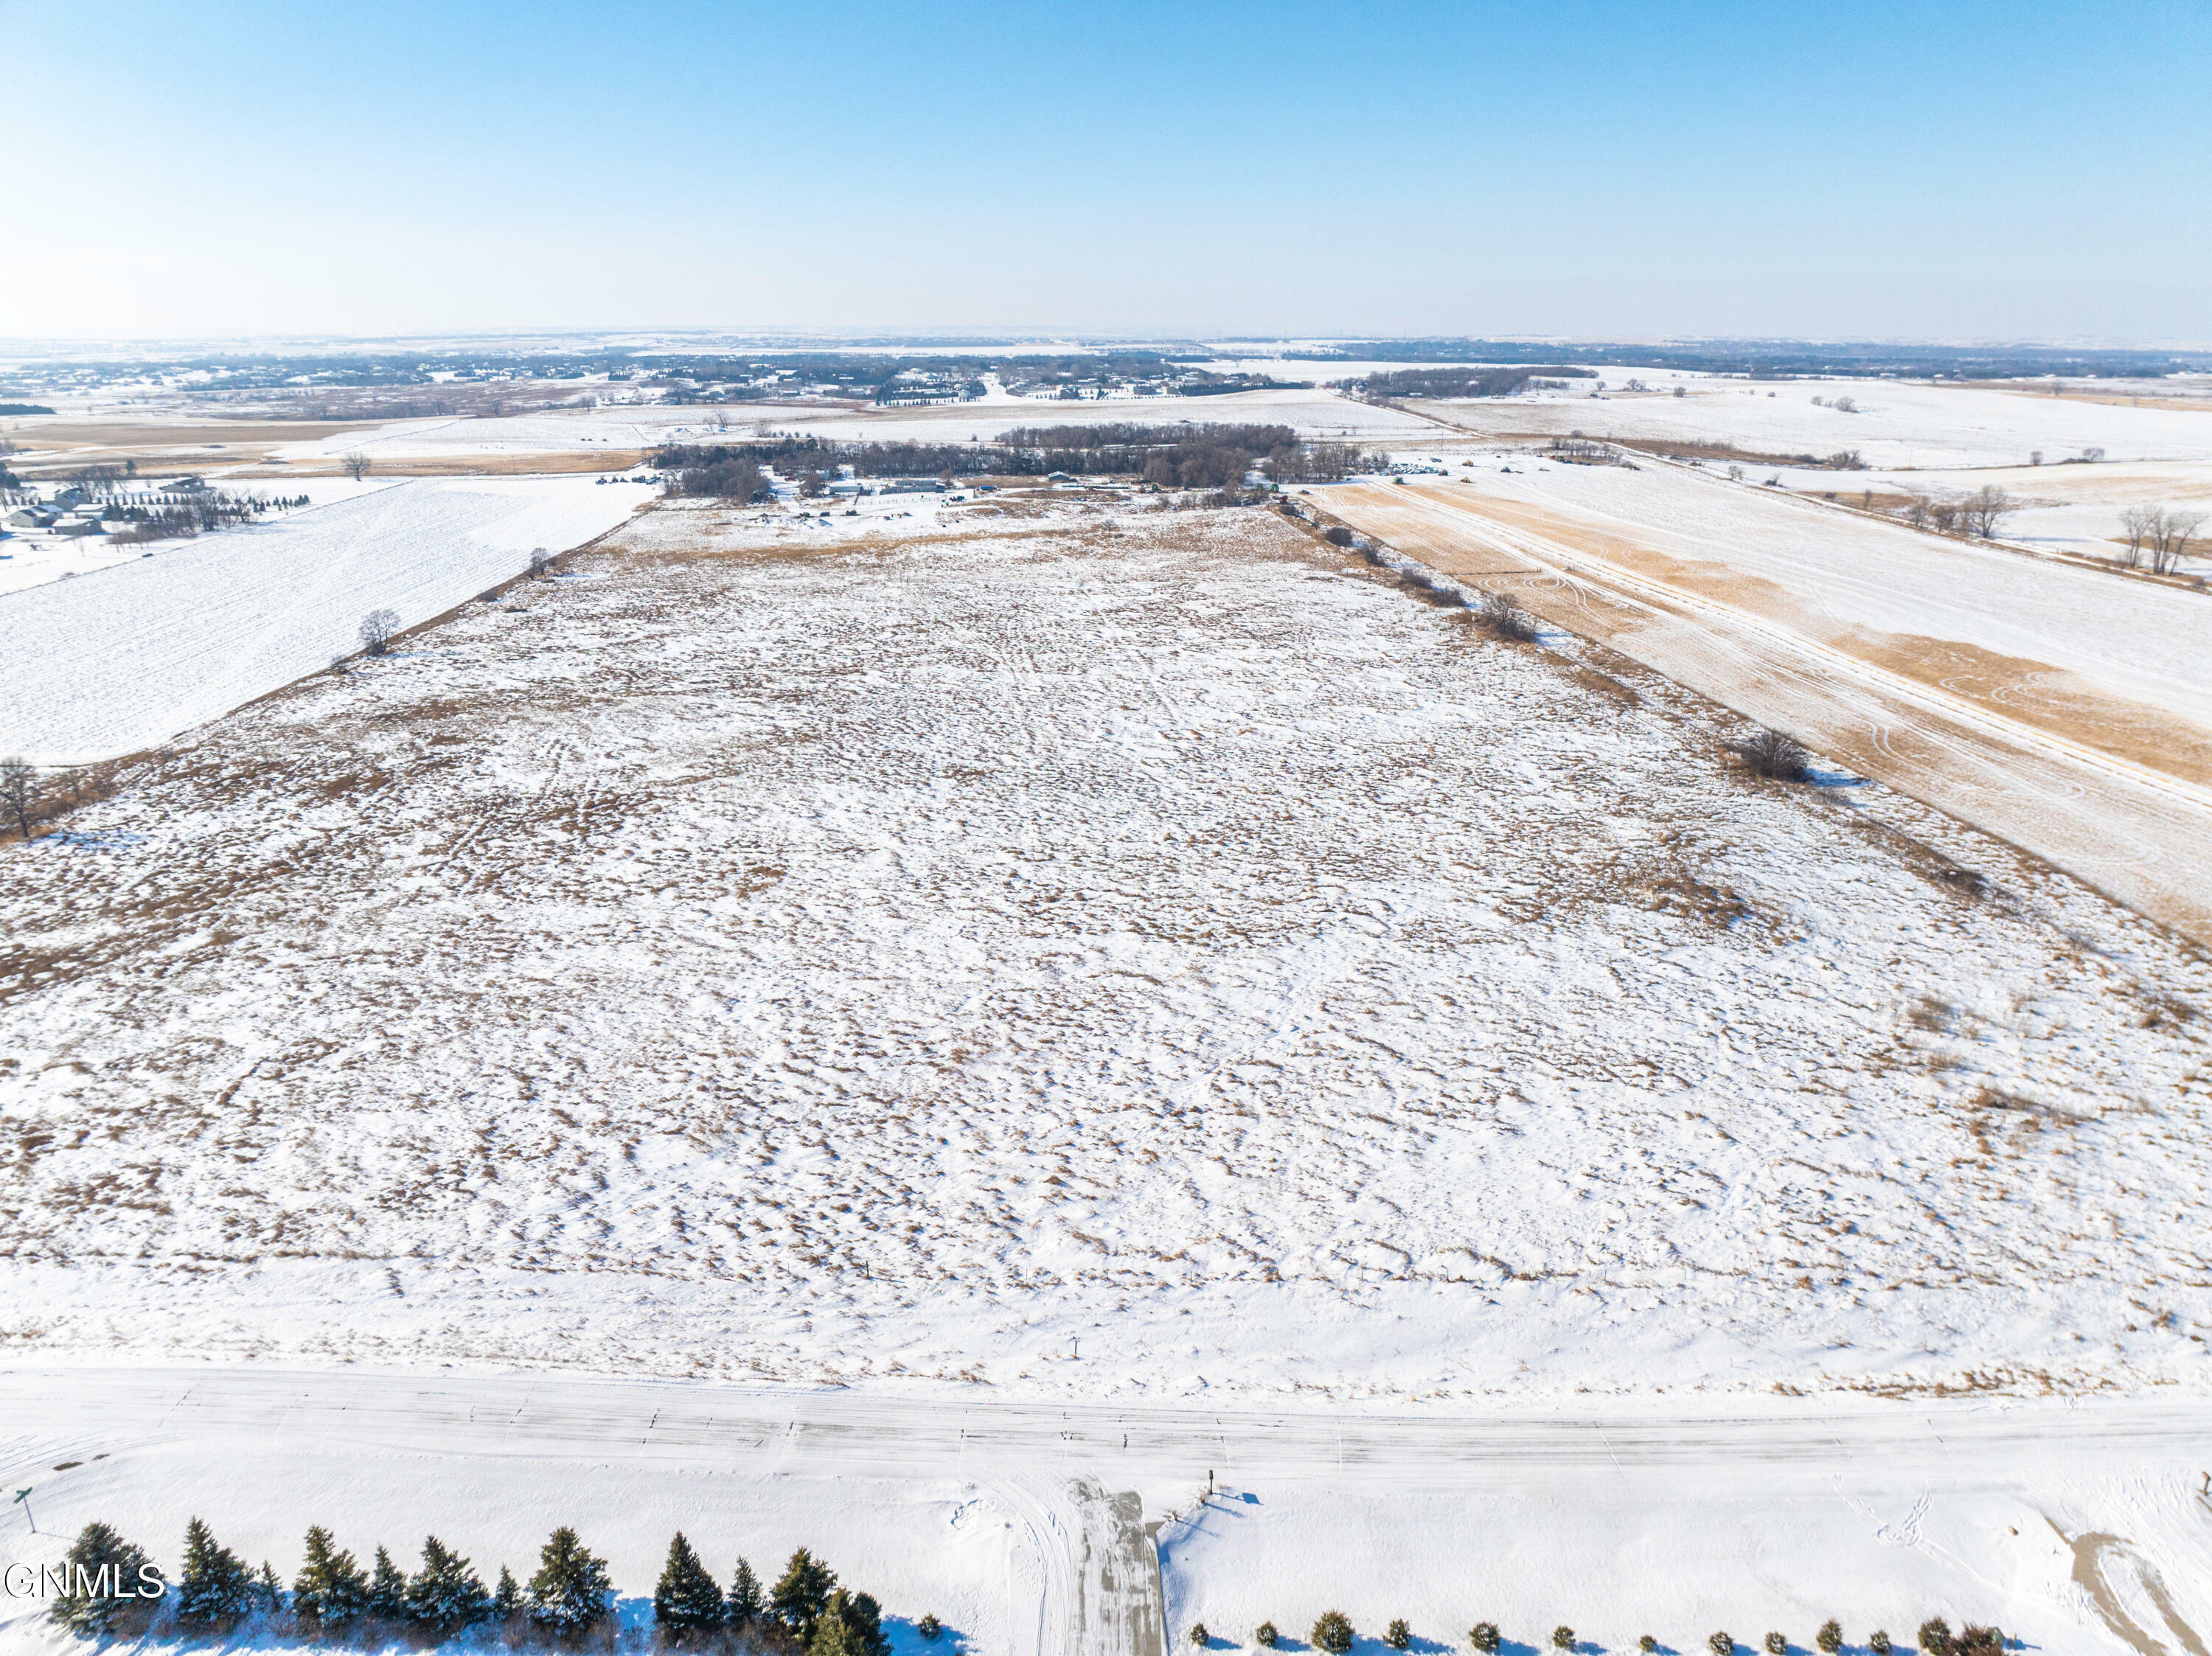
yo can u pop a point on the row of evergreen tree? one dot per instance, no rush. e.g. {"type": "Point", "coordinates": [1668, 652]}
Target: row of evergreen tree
{"type": "Point", "coordinates": [566, 1601]}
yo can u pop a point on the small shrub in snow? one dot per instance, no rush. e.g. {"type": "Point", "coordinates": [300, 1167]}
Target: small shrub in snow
{"type": "Point", "coordinates": [1935, 1636]}
{"type": "Point", "coordinates": [1398, 1635]}
{"type": "Point", "coordinates": [1266, 1637]}
{"type": "Point", "coordinates": [1484, 1637]}
{"type": "Point", "coordinates": [1199, 1638]}
{"type": "Point", "coordinates": [1338, 535]}
{"type": "Point", "coordinates": [1500, 615]}
{"type": "Point", "coordinates": [1647, 1643]}
{"type": "Point", "coordinates": [1776, 1645]}
{"type": "Point", "coordinates": [377, 628]}
{"type": "Point", "coordinates": [929, 1627]}
{"type": "Point", "coordinates": [1721, 1644]}
{"type": "Point", "coordinates": [1829, 1638]}
{"type": "Point", "coordinates": [1333, 1633]}
{"type": "Point", "coordinates": [1773, 755]}
{"type": "Point", "coordinates": [1878, 1643]}
{"type": "Point", "coordinates": [1973, 1641]}
{"type": "Point", "coordinates": [1563, 1637]}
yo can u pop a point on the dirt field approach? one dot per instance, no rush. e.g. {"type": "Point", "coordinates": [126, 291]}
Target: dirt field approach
{"type": "Point", "coordinates": [2068, 713]}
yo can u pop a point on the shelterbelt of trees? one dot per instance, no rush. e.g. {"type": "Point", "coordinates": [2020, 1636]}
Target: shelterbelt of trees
{"type": "Point", "coordinates": [107, 1589]}
{"type": "Point", "coordinates": [1462, 382]}
{"type": "Point", "coordinates": [1170, 457]}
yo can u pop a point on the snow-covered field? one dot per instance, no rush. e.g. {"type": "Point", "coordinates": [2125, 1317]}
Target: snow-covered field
{"type": "Point", "coordinates": [1895, 426]}
{"type": "Point", "coordinates": [621, 429]}
{"type": "Point", "coordinates": [125, 656]}
{"type": "Point", "coordinates": [33, 557]}
{"type": "Point", "coordinates": [1130, 958]}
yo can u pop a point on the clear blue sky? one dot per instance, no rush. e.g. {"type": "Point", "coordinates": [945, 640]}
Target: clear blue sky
{"type": "Point", "coordinates": [1867, 170]}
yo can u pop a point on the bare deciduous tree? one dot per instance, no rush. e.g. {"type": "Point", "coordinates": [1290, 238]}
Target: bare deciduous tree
{"type": "Point", "coordinates": [540, 562]}
{"type": "Point", "coordinates": [18, 793]}
{"type": "Point", "coordinates": [1985, 508]}
{"type": "Point", "coordinates": [377, 628]}
{"type": "Point", "coordinates": [2137, 524]}
{"type": "Point", "coordinates": [2170, 539]}
{"type": "Point", "coordinates": [355, 465]}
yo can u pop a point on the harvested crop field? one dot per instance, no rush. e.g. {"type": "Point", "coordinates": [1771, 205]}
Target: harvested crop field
{"type": "Point", "coordinates": [1119, 956]}
{"type": "Point", "coordinates": [2051, 704]}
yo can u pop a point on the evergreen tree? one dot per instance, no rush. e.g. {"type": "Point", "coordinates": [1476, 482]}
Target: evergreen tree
{"type": "Point", "coordinates": [686, 1602]}
{"type": "Point", "coordinates": [388, 1589]}
{"type": "Point", "coordinates": [833, 1636]}
{"type": "Point", "coordinates": [862, 1620]}
{"type": "Point", "coordinates": [866, 1617]}
{"type": "Point", "coordinates": [268, 1590]}
{"type": "Point", "coordinates": [743, 1605]}
{"type": "Point", "coordinates": [929, 1627]}
{"type": "Point", "coordinates": [329, 1591]}
{"type": "Point", "coordinates": [102, 1568]}
{"type": "Point", "coordinates": [1333, 1633]}
{"type": "Point", "coordinates": [215, 1589]}
{"type": "Point", "coordinates": [446, 1597]}
{"type": "Point", "coordinates": [803, 1594]}
{"type": "Point", "coordinates": [570, 1591]}
{"type": "Point", "coordinates": [507, 1600]}
{"type": "Point", "coordinates": [1935, 1636]}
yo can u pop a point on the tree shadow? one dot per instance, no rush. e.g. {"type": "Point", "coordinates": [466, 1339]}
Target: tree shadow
{"type": "Point", "coordinates": [908, 1639]}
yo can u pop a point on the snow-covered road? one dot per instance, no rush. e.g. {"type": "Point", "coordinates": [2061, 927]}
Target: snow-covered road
{"type": "Point", "coordinates": [2071, 1523]}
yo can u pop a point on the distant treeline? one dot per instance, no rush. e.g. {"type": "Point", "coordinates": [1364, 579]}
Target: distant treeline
{"type": "Point", "coordinates": [1463, 382]}
{"type": "Point", "coordinates": [1777, 359]}
{"type": "Point", "coordinates": [24, 408]}
{"type": "Point", "coordinates": [1170, 457]}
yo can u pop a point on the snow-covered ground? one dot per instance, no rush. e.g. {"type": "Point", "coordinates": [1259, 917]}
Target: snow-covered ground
{"type": "Point", "coordinates": [32, 557]}
{"type": "Point", "coordinates": [934, 958]}
{"type": "Point", "coordinates": [1317, 413]}
{"type": "Point", "coordinates": [1895, 426]}
{"type": "Point", "coordinates": [126, 656]}
{"type": "Point", "coordinates": [2077, 1527]}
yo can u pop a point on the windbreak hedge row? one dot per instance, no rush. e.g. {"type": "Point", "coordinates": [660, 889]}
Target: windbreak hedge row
{"type": "Point", "coordinates": [107, 1587]}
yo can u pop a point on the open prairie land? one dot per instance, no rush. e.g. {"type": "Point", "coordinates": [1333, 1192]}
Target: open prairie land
{"type": "Point", "coordinates": [906, 957]}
